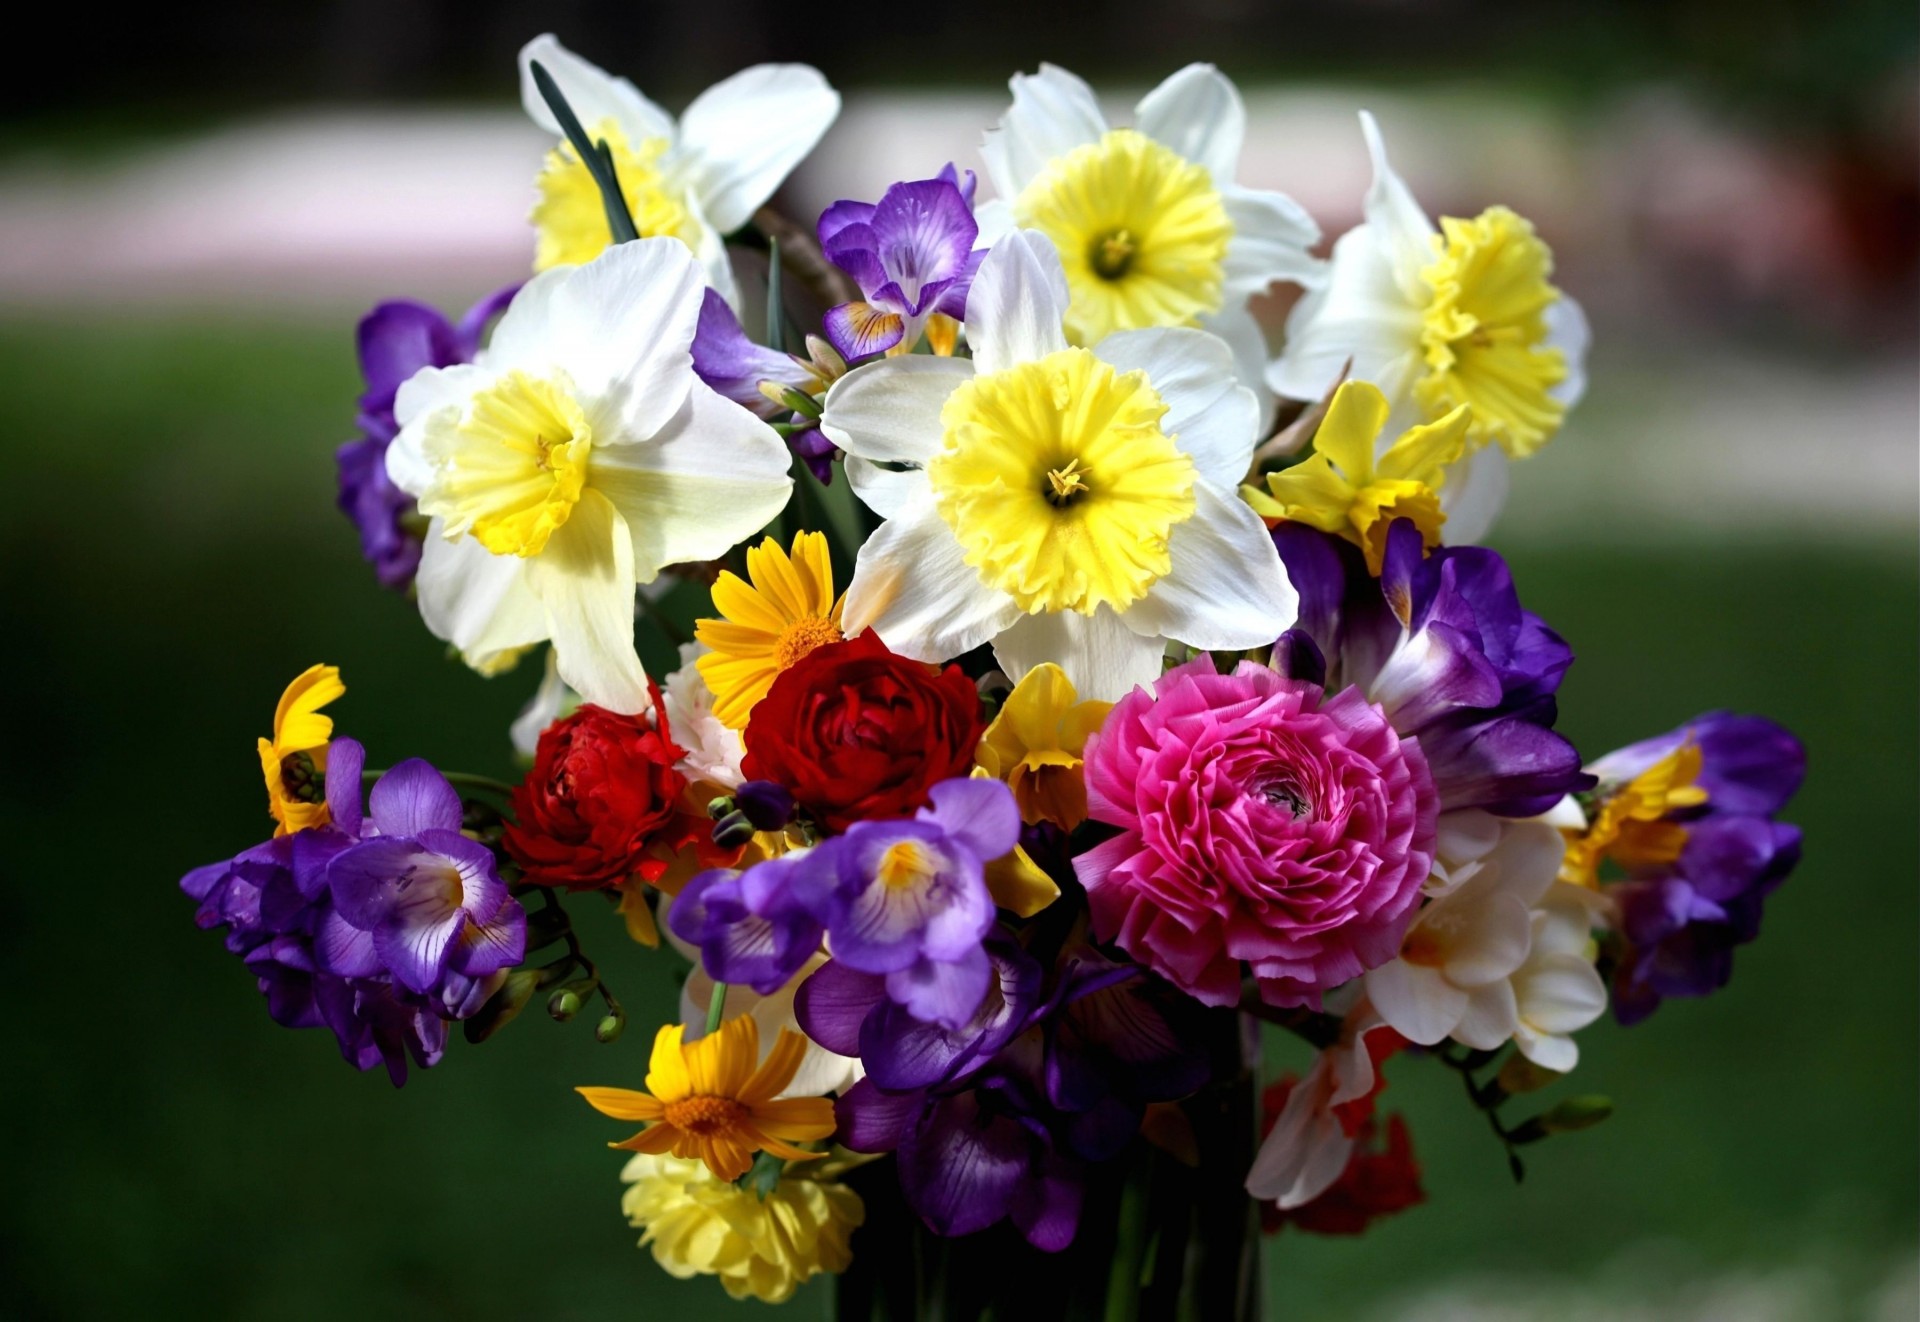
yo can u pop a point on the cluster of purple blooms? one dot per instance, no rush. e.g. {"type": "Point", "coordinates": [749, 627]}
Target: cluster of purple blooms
{"type": "Point", "coordinates": [1679, 925]}
{"type": "Point", "coordinates": [383, 925]}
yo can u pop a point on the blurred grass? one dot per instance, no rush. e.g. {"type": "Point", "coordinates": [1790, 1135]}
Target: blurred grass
{"type": "Point", "coordinates": [174, 559]}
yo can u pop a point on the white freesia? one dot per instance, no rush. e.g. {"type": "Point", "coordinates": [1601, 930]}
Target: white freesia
{"type": "Point", "coordinates": [1309, 1144]}
{"type": "Point", "coordinates": [713, 748]}
{"type": "Point", "coordinates": [571, 460]}
{"type": "Point", "coordinates": [1035, 493]}
{"type": "Point", "coordinates": [1058, 166]}
{"type": "Point", "coordinates": [1377, 311]}
{"type": "Point", "coordinates": [698, 179]}
{"type": "Point", "coordinates": [1469, 968]}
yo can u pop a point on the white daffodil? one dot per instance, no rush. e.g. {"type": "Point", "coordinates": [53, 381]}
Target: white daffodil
{"type": "Point", "coordinates": [1066, 504]}
{"type": "Point", "coordinates": [695, 181]}
{"type": "Point", "coordinates": [1151, 227]}
{"type": "Point", "coordinates": [571, 460]}
{"type": "Point", "coordinates": [1468, 968]}
{"type": "Point", "coordinates": [1436, 318]}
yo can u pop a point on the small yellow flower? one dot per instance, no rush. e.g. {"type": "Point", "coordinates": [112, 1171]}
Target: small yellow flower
{"type": "Point", "coordinates": [1342, 489]}
{"type": "Point", "coordinates": [707, 1100]}
{"type": "Point", "coordinates": [295, 758]}
{"type": "Point", "coordinates": [1631, 827]}
{"type": "Point", "coordinates": [1037, 742]}
{"type": "Point", "coordinates": [786, 611]}
{"type": "Point", "coordinates": [762, 1248]}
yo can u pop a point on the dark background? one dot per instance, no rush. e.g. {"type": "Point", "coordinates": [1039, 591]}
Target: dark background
{"type": "Point", "coordinates": [172, 559]}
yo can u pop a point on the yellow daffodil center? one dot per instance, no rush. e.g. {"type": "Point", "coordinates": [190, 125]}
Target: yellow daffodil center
{"type": "Point", "coordinates": [1484, 334]}
{"type": "Point", "coordinates": [1142, 233]}
{"type": "Point", "coordinates": [1059, 483]}
{"type": "Point", "coordinates": [905, 864]}
{"type": "Point", "coordinates": [705, 1115]}
{"type": "Point", "coordinates": [571, 222]}
{"type": "Point", "coordinates": [511, 470]}
{"type": "Point", "coordinates": [1631, 827]}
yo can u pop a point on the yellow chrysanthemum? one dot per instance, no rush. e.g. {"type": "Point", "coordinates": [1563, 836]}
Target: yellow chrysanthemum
{"type": "Point", "coordinates": [570, 219]}
{"type": "Point", "coordinates": [1342, 489]}
{"type": "Point", "coordinates": [1631, 827]}
{"type": "Point", "coordinates": [1036, 744]}
{"type": "Point", "coordinates": [293, 761]}
{"type": "Point", "coordinates": [1484, 335]}
{"type": "Point", "coordinates": [707, 1100]}
{"type": "Point", "coordinates": [786, 611]}
{"type": "Point", "coordinates": [759, 1247]}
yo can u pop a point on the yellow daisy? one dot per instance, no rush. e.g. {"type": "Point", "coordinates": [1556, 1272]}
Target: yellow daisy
{"type": "Point", "coordinates": [706, 1100]}
{"type": "Point", "coordinates": [785, 612]}
{"type": "Point", "coordinates": [293, 761]}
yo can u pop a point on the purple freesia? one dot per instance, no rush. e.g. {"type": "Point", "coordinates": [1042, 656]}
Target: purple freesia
{"type": "Point", "coordinates": [432, 899]}
{"type": "Point", "coordinates": [1680, 923]}
{"type": "Point", "coordinates": [396, 340]}
{"type": "Point", "coordinates": [756, 927]}
{"type": "Point", "coordinates": [912, 255]}
{"type": "Point", "coordinates": [908, 900]}
{"type": "Point", "coordinates": [1443, 645]}
{"type": "Point", "coordinates": [734, 366]}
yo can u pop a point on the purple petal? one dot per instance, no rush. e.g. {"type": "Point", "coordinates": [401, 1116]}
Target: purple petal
{"type": "Point", "coordinates": [834, 1001]}
{"type": "Point", "coordinates": [859, 330]}
{"type": "Point", "coordinates": [346, 758]}
{"type": "Point", "coordinates": [953, 302]}
{"type": "Point", "coordinates": [1437, 671]}
{"type": "Point", "coordinates": [483, 894]}
{"type": "Point", "coordinates": [486, 948]}
{"type": "Point", "coordinates": [873, 1121]}
{"type": "Point", "coordinates": [975, 812]}
{"type": "Point", "coordinates": [474, 323]}
{"type": "Point", "coordinates": [397, 339]}
{"type": "Point", "coordinates": [840, 215]}
{"type": "Point", "coordinates": [733, 365]}
{"type": "Point", "coordinates": [923, 232]}
{"type": "Point", "coordinates": [942, 992]}
{"type": "Point", "coordinates": [342, 949]}
{"type": "Point", "coordinates": [417, 947]}
{"type": "Point", "coordinates": [1749, 765]}
{"type": "Point", "coordinates": [412, 798]}
{"type": "Point", "coordinates": [961, 1165]}
{"type": "Point", "coordinates": [1047, 1208]}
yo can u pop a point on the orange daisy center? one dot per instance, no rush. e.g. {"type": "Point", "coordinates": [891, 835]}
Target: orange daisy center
{"type": "Point", "coordinates": [705, 1116]}
{"type": "Point", "coordinates": [801, 637]}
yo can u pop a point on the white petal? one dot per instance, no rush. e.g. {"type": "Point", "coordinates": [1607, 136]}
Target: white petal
{"type": "Point", "coordinates": [594, 94]}
{"type": "Point", "coordinates": [1484, 938]}
{"type": "Point", "coordinates": [741, 138]}
{"type": "Point", "coordinates": [1361, 316]}
{"type": "Point", "coordinates": [1473, 496]}
{"type": "Point", "coordinates": [1527, 860]}
{"type": "Point", "coordinates": [1016, 304]}
{"type": "Point", "coordinates": [584, 579]}
{"type": "Point", "coordinates": [1271, 236]}
{"type": "Point", "coordinates": [1550, 1051]}
{"type": "Point", "coordinates": [714, 475]}
{"type": "Point", "coordinates": [1198, 113]}
{"type": "Point", "coordinates": [478, 601]}
{"type": "Point", "coordinates": [622, 328]}
{"type": "Point", "coordinates": [886, 491]}
{"type": "Point", "coordinates": [1466, 836]}
{"type": "Point", "coordinates": [1241, 330]}
{"type": "Point", "coordinates": [1560, 993]}
{"type": "Point", "coordinates": [1052, 113]}
{"type": "Point", "coordinates": [1567, 331]}
{"type": "Point", "coordinates": [519, 339]}
{"type": "Point", "coordinates": [1402, 228]}
{"type": "Point", "coordinates": [1416, 1001]}
{"type": "Point", "coordinates": [889, 411]}
{"type": "Point", "coordinates": [1490, 1017]}
{"type": "Point", "coordinates": [1211, 416]}
{"type": "Point", "coordinates": [435, 396]}
{"type": "Point", "coordinates": [711, 252]}
{"type": "Point", "coordinates": [995, 219]}
{"type": "Point", "coordinates": [1227, 587]}
{"type": "Point", "coordinates": [1103, 657]}
{"type": "Point", "coordinates": [1306, 1150]}
{"type": "Point", "coordinates": [913, 586]}
{"type": "Point", "coordinates": [544, 708]}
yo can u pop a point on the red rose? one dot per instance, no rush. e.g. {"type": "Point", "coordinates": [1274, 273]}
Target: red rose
{"type": "Point", "coordinates": [602, 803]}
{"type": "Point", "coordinates": [855, 732]}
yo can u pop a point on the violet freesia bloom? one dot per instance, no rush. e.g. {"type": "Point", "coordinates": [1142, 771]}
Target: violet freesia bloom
{"type": "Point", "coordinates": [432, 899]}
{"type": "Point", "coordinates": [396, 340]}
{"type": "Point", "coordinates": [1680, 923]}
{"type": "Point", "coordinates": [756, 927]}
{"type": "Point", "coordinates": [727, 360]}
{"type": "Point", "coordinates": [912, 255]}
{"type": "Point", "coordinates": [1444, 646]}
{"type": "Point", "coordinates": [909, 900]}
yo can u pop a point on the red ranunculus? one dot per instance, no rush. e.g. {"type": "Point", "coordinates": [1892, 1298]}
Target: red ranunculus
{"type": "Point", "coordinates": [856, 732]}
{"type": "Point", "coordinates": [602, 803]}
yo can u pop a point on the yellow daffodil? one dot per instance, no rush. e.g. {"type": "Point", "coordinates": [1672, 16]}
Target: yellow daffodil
{"type": "Point", "coordinates": [296, 757]}
{"type": "Point", "coordinates": [1342, 489]}
{"type": "Point", "coordinates": [707, 1100]}
{"type": "Point", "coordinates": [761, 1247]}
{"type": "Point", "coordinates": [785, 611]}
{"type": "Point", "coordinates": [1631, 826]}
{"type": "Point", "coordinates": [1035, 745]}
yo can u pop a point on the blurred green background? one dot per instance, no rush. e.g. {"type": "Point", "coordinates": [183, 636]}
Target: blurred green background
{"type": "Point", "coordinates": [173, 558]}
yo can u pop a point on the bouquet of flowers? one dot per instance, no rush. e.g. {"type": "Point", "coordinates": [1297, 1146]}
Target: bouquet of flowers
{"type": "Point", "coordinates": [1106, 696]}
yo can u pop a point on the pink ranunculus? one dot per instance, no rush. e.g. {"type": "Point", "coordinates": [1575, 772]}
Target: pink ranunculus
{"type": "Point", "coordinates": [1263, 824]}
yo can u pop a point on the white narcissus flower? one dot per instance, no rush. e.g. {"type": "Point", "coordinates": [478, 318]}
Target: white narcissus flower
{"type": "Point", "coordinates": [1066, 504]}
{"type": "Point", "coordinates": [1468, 967]}
{"type": "Point", "coordinates": [1462, 314]}
{"type": "Point", "coordinates": [1149, 222]}
{"type": "Point", "coordinates": [1311, 1142]}
{"type": "Point", "coordinates": [695, 181]}
{"type": "Point", "coordinates": [574, 458]}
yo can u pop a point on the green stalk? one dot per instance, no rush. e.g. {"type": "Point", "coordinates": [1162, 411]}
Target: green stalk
{"type": "Point", "coordinates": [716, 1008]}
{"type": "Point", "coordinates": [776, 312]}
{"type": "Point", "coordinates": [597, 157]}
{"type": "Point", "coordinates": [1129, 1250]}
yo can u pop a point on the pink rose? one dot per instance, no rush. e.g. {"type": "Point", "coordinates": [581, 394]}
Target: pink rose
{"type": "Point", "coordinates": [1261, 824]}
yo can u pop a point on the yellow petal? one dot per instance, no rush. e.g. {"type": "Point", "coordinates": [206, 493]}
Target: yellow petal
{"type": "Point", "coordinates": [1019, 886]}
{"type": "Point", "coordinates": [1351, 427]}
{"type": "Point", "coordinates": [798, 1118]}
{"type": "Point", "coordinates": [777, 1070]}
{"type": "Point", "coordinates": [622, 1103]}
{"type": "Point", "coordinates": [1423, 453]}
{"type": "Point", "coordinates": [667, 1068]}
{"type": "Point", "coordinates": [654, 1138]}
{"type": "Point", "coordinates": [297, 723]}
{"type": "Point", "coordinates": [744, 604]}
{"type": "Point", "coordinates": [720, 1064]}
{"type": "Point", "coordinates": [639, 914]}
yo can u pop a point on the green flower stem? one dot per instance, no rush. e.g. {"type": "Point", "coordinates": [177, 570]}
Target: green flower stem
{"type": "Point", "coordinates": [716, 1008]}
